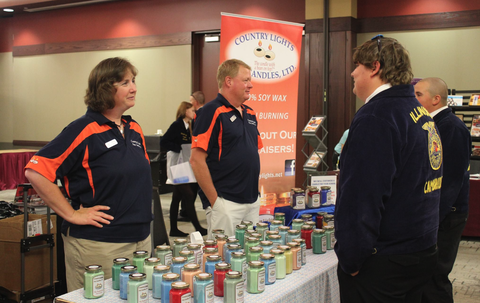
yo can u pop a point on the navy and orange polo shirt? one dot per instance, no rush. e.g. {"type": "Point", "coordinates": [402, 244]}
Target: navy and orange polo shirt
{"type": "Point", "coordinates": [99, 167]}
{"type": "Point", "coordinates": [232, 143]}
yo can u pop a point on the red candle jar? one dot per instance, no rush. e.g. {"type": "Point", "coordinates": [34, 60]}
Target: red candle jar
{"type": "Point", "coordinates": [307, 231]}
{"type": "Point", "coordinates": [319, 221]}
{"type": "Point", "coordinates": [210, 243]}
{"type": "Point", "coordinates": [180, 292]}
{"type": "Point", "coordinates": [218, 276]}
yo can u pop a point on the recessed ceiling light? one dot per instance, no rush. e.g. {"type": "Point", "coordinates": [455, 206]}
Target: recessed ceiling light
{"type": "Point", "coordinates": [8, 10]}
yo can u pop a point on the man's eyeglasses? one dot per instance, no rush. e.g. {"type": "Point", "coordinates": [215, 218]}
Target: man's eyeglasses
{"type": "Point", "coordinates": [379, 42]}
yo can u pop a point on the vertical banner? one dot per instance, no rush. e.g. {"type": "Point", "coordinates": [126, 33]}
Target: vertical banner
{"type": "Point", "coordinates": [272, 49]}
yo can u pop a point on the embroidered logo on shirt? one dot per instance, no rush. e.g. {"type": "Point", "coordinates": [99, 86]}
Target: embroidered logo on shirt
{"type": "Point", "coordinates": [233, 118]}
{"type": "Point", "coordinates": [34, 161]}
{"type": "Point", "coordinates": [136, 143]}
{"type": "Point", "coordinates": [434, 145]}
{"type": "Point", "coordinates": [252, 122]}
{"type": "Point", "coordinates": [111, 143]}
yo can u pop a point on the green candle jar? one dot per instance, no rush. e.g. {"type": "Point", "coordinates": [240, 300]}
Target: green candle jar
{"type": "Point", "coordinates": [139, 257]}
{"type": "Point", "coordinates": [251, 242]}
{"type": "Point", "coordinates": [319, 241]}
{"type": "Point", "coordinates": [248, 223]}
{"type": "Point", "coordinates": [261, 229]}
{"type": "Point", "coordinates": [240, 233]}
{"type": "Point", "coordinates": [297, 224]}
{"type": "Point", "coordinates": [281, 263]}
{"type": "Point", "coordinates": [280, 217]}
{"type": "Point", "coordinates": [178, 245]}
{"type": "Point", "coordinates": [254, 254]}
{"type": "Point", "coordinates": [288, 258]}
{"type": "Point", "coordinates": [118, 263]}
{"type": "Point", "coordinates": [330, 235]}
{"type": "Point", "coordinates": [255, 277]}
{"type": "Point", "coordinates": [188, 254]}
{"type": "Point", "coordinates": [233, 287]}
{"type": "Point", "coordinates": [93, 282]}
{"type": "Point", "coordinates": [137, 288]}
{"type": "Point", "coordinates": [164, 253]}
{"type": "Point", "coordinates": [148, 266]}
{"type": "Point", "coordinates": [239, 263]}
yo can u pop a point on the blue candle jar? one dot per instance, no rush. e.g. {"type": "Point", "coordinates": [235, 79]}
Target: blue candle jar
{"type": "Point", "coordinates": [266, 245]}
{"type": "Point", "coordinates": [229, 249]}
{"type": "Point", "coordinates": [270, 268]}
{"type": "Point", "coordinates": [282, 231]}
{"type": "Point", "coordinates": [210, 263]}
{"type": "Point", "coordinates": [276, 240]}
{"type": "Point", "coordinates": [157, 277]}
{"type": "Point", "coordinates": [125, 272]}
{"type": "Point", "coordinates": [177, 266]}
{"type": "Point", "coordinates": [166, 286]}
{"type": "Point", "coordinates": [293, 234]}
{"type": "Point", "coordinates": [203, 288]}
{"type": "Point", "coordinates": [231, 240]}
{"type": "Point", "coordinates": [275, 224]}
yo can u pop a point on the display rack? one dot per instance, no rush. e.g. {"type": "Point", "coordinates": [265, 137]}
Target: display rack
{"type": "Point", "coordinates": [315, 135]}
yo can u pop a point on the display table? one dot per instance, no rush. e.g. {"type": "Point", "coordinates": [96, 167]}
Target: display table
{"type": "Point", "coordinates": [291, 213]}
{"type": "Point", "coordinates": [315, 282]}
{"type": "Point", "coordinates": [12, 164]}
{"type": "Point", "coordinates": [472, 229]}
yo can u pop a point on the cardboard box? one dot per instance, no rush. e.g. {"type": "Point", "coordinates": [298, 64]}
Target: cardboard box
{"type": "Point", "coordinates": [37, 262]}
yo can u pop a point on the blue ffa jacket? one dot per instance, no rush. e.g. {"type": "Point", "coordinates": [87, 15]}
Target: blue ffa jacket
{"type": "Point", "coordinates": [390, 180]}
{"type": "Point", "coordinates": [175, 136]}
{"type": "Point", "coordinates": [457, 144]}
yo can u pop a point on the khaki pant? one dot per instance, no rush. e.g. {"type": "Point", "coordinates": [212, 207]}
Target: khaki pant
{"type": "Point", "coordinates": [81, 252]}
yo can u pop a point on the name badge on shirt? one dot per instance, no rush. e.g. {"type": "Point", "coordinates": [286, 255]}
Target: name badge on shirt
{"type": "Point", "coordinates": [111, 143]}
{"type": "Point", "coordinates": [233, 118]}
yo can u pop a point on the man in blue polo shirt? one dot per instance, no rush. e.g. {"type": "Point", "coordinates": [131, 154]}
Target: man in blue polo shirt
{"type": "Point", "coordinates": [225, 157]}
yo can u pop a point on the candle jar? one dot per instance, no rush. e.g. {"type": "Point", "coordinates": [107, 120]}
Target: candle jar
{"type": "Point", "coordinates": [254, 254]}
{"type": "Point", "coordinates": [248, 223]}
{"type": "Point", "coordinates": [158, 272]}
{"type": "Point", "coordinates": [178, 245]}
{"type": "Point", "coordinates": [275, 224]}
{"type": "Point", "coordinates": [297, 198]}
{"type": "Point", "coordinates": [276, 240]}
{"type": "Point", "coordinates": [118, 263]}
{"type": "Point", "coordinates": [233, 287]}
{"type": "Point", "coordinates": [124, 277]}
{"type": "Point", "coordinates": [180, 292]}
{"type": "Point", "coordinates": [326, 195]}
{"type": "Point", "coordinates": [248, 232]}
{"type": "Point", "coordinates": [330, 235]}
{"type": "Point", "coordinates": [216, 232]}
{"type": "Point", "coordinates": [280, 217]}
{"type": "Point", "coordinates": [251, 242]}
{"type": "Point", "coordinates": [164, 253]}
{"type": "Point", "coordinates": [297, 224]}
{"type": "Point", "coordinates": [197, 253]}
{"type": "Point", "coordinates": [218, 276]}
{"type": "Point", "coordinates": [319, 220]}
{"type": "Point", "coordinates": [296, 255]}
{"type": "Point", "coordinates": [177, 266]}
{"type": "Point", "coordinates": [203, 288]}
{"type": "Point", "coordinates": [293, 234]}
{"type": "Point", "coordinates": [239, 263]}
{"type": "Point", "coordinates": [261, 228]}
{"type": "Point", "coordinates": [240, 233]}
{"type": "Point", "coordinates": [212, 243]}
{"type": "Point", "coordinates": [313, 197]}
{"type": "Point", "coordinates": [255, 277]}
{"type": "Point", "coordinates": [189, 271]}
{"type": "Point", "coordinates": [312, 224]}
{"type": "Point", "coordinates": [137, 288]}
{"type": "Point", "coordinates": [208, 251]}
{"type": "Point", "coordinates": [281, 263]}
{"type": "Point", "coordinates": [270, 268]}
{"type": "Point", "coordinates": [93, 282]}
{"type": "Point", "coordinates": [188, 254]}
{"type": "Point", "coordinates": [306, 218]}
{"type": "Point", "coordinates": [288, 258]}
{"type": "Point", "coordinates": [148, 269]}
{"type": "Point", "coordinates": [221, 240]}
{"type": "Point", "coordinates": [328, 220]}
{"type": "Point", "coordinates": [307, 235]}
{"type": "Point", "coordinates": [229, 249]}
{"type": "Point", "coordinates": [139, 257]}
{"type": "Point", "coordinates": [210, 263]}
{"type": "Point", "coordinates": [271, 232]}
{"type": "Point", "coordinates": [282, 231]}
{"type": "Point", "coordinates": [319, 241]}
{"type": "Point", "coordinates": [266, 245]}
{"type": "Point", "coordinates": [303, 249]}
{"type": "Point", "coordinates": [167, 281]}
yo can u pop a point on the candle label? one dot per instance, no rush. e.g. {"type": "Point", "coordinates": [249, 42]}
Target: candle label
{"type": "Point", "coordinates": [209, 296]}
{"type": "Point", "coordinates": [244, 270]}
{"type": "Point", "coordinates": [239, 292]}
{"type": "Point", "coordinates": [142, 293]}
{"type": "Point", "coordinates": [168, 259]}
{"type": "Point", "coordinates": [98, 286]}
{"type": "Point", "coordinates": [324, 244]}
{"type": "Point", "coordinates": [272, 273]}
{"type": "Point", "coordinates": [261, 280]}
{"type": "Point", "coordinates": [299, 259]}
{"type": "Point", "coordinates": [186, 298]}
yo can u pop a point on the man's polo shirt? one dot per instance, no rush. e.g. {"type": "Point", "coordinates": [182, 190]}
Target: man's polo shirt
{"type": "Point", "coordinates": [231, 142]}
{"type": "Point", "coordinates": [100, 167]}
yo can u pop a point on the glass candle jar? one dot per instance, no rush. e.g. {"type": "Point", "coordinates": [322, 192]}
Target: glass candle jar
{"type": "Point", "coordinates": [293, 234]}
{"type": "Point", "coordinates": [234, 288]}
{"type": "Point", "coordinates": [281, 263]}
{"type": "Point", "coordinates": [216, 232]}
{"type": "Point", "coordinates": [229, 249]}
{"type": "Point", "coordinates": [124, 277]}
{"type": "Point", "coordinates": [280, 217]}
{"type": "Point", "coordinates": [270, 268]}
{"type": "Point", "coordinates": [303, 249]}
{"type": "Point", "coordinates": [208, 251]}
{"type": "Point", "coordinates": [212, 243]}
{"type": "Point", "coordinates": [218, 276]}
{"type": "Point", "coordinates": [306, 218]}
{"type": "Point", "coordinates": [288, 258]}
{"type": "Point", "coordinates": [164, 253]}
{"type": "Point", "coordinates": [313, 200]}
{"type": "Point", "coordinates": [319, 241]}
{"type": "Point", "coordinates": [311, 223]}
{"type": "Point", "coordinates": [178, 263]}
{"type": "Point", "coordinates": [203, 288]}
{"type": "Point", "coordinates": [328, 220]}
{"type": "Point", "coordinates": [276, 240]}
{"type": "Point", "coordinates": [137, 288]}
{"type": "Point", "coordinates": [210, 263]}
{"type": "Point", "coordinates": [93, 282]}
{"type": "Point", "coordinates": [275, 224]}
{"type": "Point", "coordinates": [251, 242]}
{"type": "Point", "coordinates": [254, 254]}
{"type": "Point", "coordinates": [255, 277]}
{"type": "Point", "coordinates": [282, 231]}
{"type": "Point", "coordinates": [139, 257]}
{"type": "Point", "coordinates": [325, 195]}
{"type": "Point", "coordinates": [319, 220]}
{"type": "Point", "coordinates": [266, 245]}
{"type": "Point", "coordinates": [271, 232]}
{"type": "Point", "coordinates": [307, 235]}
{"type": "Point", "coordinates": [221, 240]}
{"type": "Point", "coordinates": [148, 269]}
{"type": "Point", "coordinates": [248, 223]}
{"type": "Point", "coordinates": [188, 254]}
{"type": "Point", "coordinates": [167, 281]}
{"type": "Point", "coordinates": [240, 233]}
{"type": "Point", "coordinates": [178, 245]}
{"type": "Point", "coordinates": [297, 198]}
{"type": "Point", "coordinates": [296, 255]}
{"type": "Point", "coordinates": [330, 235]}
{"type": "Point", "coordinates": [261, 228]}
{"type": "Point", "coordinates": [197, 253]}
{"type": "Point", "coordinates": [239, 263]}
{"type": "Point", "coordinates": [180, 292]}
{"type": "Point", "coordinates": [297, 224]}
{"type": "Point", "coordinates": [189, 271]}
{"type": "Point", "coordinates": [118, 263]}
{"type": "Point", "coordinates": [158, 272]}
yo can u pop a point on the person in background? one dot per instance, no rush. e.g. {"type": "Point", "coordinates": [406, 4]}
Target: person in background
{"type": "Point", "coordinates": [338, 150]}
{"type": "Point", "coordinates": [102, 161]}
{"type": "Point", "coordinates": [432, 93]}
{"type": "Point", "coordinates": [197, 99]}
{"type": "Point", "coordinates": [386, 215]}
{"type": "Point", "coordinates": [225, 146]}
{"type": "Point", "coordinates": [177, 135]}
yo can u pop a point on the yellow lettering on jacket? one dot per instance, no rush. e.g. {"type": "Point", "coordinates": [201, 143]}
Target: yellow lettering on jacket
{"type": "Point", "coordinates": [418, 112]}
{"type": "Point", "coordinates": [433, 185]}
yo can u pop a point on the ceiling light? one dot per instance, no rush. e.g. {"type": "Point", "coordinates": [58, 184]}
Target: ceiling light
{"type": "Point", "coordinates": [212, 38]}
{"type": "Point", "coordinates": [74, 4]}
{"type": "Point", "coordinates": [8, 10]}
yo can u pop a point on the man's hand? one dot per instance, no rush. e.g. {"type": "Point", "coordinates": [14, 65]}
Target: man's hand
{"type": "Point", "coordinates": [90, 216]}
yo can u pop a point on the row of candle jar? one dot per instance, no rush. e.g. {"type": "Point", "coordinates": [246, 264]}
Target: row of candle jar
{"type": "Point", "coordinates": [322, 219]}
